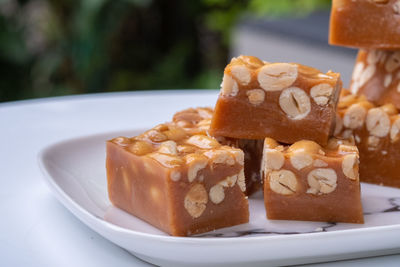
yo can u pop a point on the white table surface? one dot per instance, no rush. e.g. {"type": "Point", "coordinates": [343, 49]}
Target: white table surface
{"type": "Point", "coordinates": [36, 230]}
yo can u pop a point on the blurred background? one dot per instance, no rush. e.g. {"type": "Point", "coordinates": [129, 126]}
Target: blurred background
{"type": "Point", "coordinates": [64, 47]}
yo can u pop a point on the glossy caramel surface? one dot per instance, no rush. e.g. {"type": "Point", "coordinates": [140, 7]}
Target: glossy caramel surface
{"type": "Point", "coordinates": [379, 155]}
{"type": "Point", "coordinates": [180, 182]}
{"type": "Point", "coordinates": [365, 24]}
{"type": "Point", "coordinates": [235, 116]}
{"type": "Point", "coordinates": [335, 200]}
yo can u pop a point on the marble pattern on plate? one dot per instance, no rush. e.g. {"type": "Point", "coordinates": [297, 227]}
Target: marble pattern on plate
{"type": "Point", "coordinates": [381, 207]}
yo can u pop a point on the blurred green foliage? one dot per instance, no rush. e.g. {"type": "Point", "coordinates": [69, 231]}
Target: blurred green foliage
{"type": "Point", "coordinates": [59, 47]}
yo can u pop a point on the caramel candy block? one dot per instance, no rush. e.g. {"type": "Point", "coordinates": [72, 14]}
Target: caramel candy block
{"type": "Point", "coordinates": [284, 101]}
{"type": "Point", "coordinates": [198, 120]}
{"type": "Point", "coordinates": [182, 184]}
{"type": "Point", "coordinates": [376, 130]}
{"type": "Point", "coordinates": [365, 23]}
{"type": "Point", "coordinates": [309, 183]}
{"type": "Point", "coordinates": [377, 76]}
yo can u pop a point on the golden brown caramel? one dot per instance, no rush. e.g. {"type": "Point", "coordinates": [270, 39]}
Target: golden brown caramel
{"type": "Point", "coordinates": [308, 182]}
{"type": "Point", "coordinates": [182, 183]}
{"type": "Point", "coordinates": [371, 24]}
{"type": "Point", "coordinates": [285, 101]}
{"type": "Point", "coordinates": [376, 130]}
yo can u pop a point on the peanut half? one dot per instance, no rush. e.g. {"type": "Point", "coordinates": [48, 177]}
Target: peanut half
{"type": "Point", "coordinates": [217, 194]}
{"type": "Point", "coordinates": [378, 122]}
{"type": "Point", "coordinates": [196, 163]}
{"type": "Point", "coordinates": [195, 200]}
{"type": "Point", "coordinates": [295, 103]}
{"type": "Point", "coordinates": [322, 181]}
{"type": "Point", "coordinates": [202, 141]}
{"type": "Point", "coordinates": [241, 73]}
{"type": "Point", "coordinates": [354, 116]}
{"type": "Point", "coordinates": [350, 166]}
{"type": "Point", "coordinates": [229, 86]}
{"type": "Point", "coordinates": [321, 93]}
{"type": "Point", "coordinates": [168, 147]}
{"type": "Point", "coordinates": [283, 182]}
{"type": "Point", "coordinates": [277, 76]}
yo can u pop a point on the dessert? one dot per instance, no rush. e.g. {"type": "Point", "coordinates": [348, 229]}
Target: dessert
{"type": "Point", "coordinates": [307, 182]}
{"type": "Point", "coordinates": [284, 101]}
{"type": "Point", "coordinates": [198, 120]}
{"type": "Point", "coordinates": [377, 76]}
{"type": "Point", "coordinates": [372, 24]}
{"type": "Point", "coordinates": [193, 174]}
{"type": "Point", "coordinates": [182, 183]}
{"type": "Point", "coordinates": [376, 130]}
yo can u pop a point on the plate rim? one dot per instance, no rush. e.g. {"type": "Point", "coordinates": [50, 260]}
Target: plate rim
{"type": "Point", "coordinates": [79, 211]}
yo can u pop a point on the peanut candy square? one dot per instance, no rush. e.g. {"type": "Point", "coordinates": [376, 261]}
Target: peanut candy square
{"type": "Point", "coordinates": [377, 76]}
{"type": "Point", "coordinates": [371, 24]}
{"type": "Point", "coordinates": [284, 101]}
{"type": "Point", "coordinates": [198, 120]}
{"type": "Point", "coordinates": [307, 182]}
{"type": "Point", "coordinates": [376, 130]}
{"type": "Point", "coordinates": [181, 183]}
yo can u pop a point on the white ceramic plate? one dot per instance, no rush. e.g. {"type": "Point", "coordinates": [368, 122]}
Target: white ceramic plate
{"type": "Point", "coordinates": [75, 171]}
